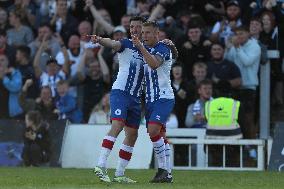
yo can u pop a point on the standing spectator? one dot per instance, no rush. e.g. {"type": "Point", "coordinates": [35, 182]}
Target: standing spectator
{"type": "Point", "coordinates": [10, 85]}
{"type": "Point", "coordinates": [19, 34]}
{"type": "Point", "coordinates": [181, 91]}
{"type": "Point", "coordinates": [195, 48]}
{"type": "Point", "coordinates": [195, 116]}
{"type": "Point", "coordinates": [67, 105]}
{"type": "Point", "coordinates": [4, 25]}
{"type": "Point", "coordinates": [222, 30]}
{"type": "Point", "coordinates": [6, 49]}
{"type": "Point", "coordinates": [95, 81]}
{"type": "Point", "coordinates": [75, 52]}
{"type": "Point", "coordinates": [63, 22]}
{"type": "Point", "coordinates": [269, 37]}
{"type": "Point", "coordinates": [36, 140]}
{"type": "Point", "coordinates": [26, 68]}
{"type": "Point", "coordinates": [101, 112]}
{"type": "Point", "coordinates": [223, 72]}
{"type": "Point", "coordinates": [44, 33]}
{"type": "Point", "coordinates": [84, 29]}
{"type": "Point", "coordinates": [245, 53]}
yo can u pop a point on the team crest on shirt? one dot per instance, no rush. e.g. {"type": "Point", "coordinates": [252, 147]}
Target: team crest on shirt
{"type": "Point", "coordinates": [158, 117]}
{"type": "Point", "coordinates": [117, 112]}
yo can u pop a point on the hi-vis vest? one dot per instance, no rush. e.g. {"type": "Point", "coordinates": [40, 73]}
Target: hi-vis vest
{"type": "Point", "coordinates": [222, 116]}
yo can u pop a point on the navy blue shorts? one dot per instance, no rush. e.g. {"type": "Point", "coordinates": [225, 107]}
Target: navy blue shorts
{"type": "Point", "coordinates": [159, 111]}
{"type": "Point", "coordinates": [125, 107]}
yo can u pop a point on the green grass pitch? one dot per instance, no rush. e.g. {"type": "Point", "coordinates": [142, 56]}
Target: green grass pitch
{"type": "Point", "coordinates": [56, 178]}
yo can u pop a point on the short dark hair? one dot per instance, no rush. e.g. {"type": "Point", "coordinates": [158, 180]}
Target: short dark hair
{"type": "Point", "coordinates": [62, 82]}
{"type": "Point", "coordinates": [204, 82]}
{"type": "Point", "coordinates": [51, 60]}
{"type": "Point", "coordinates": [218, 43]}
{"type": "Point", "coordinates": [35, 117]}
{"type": "Point", "coordinates": [193, 25]}
{"type": "Point", "coordinates": [137, 18]}
{"type": "Point", "coordinates": [241, 28]}
{"type": "Point", "coordinates": [25, 50]}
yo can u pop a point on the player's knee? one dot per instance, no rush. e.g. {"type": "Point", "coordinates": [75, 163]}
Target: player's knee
{"type": "Point", "coordinates": [153, 132]}
{"type": "Point", "coordinates": [116, 128]}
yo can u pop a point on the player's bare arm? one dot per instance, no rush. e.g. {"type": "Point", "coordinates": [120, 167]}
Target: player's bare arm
{"type": "Point", "coordinates": [153, 61]}
{"type": "Point", "coordinates": [107, 42]}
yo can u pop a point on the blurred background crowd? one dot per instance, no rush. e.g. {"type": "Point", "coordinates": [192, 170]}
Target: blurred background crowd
{"type": "Point", "coordinates": [48, 64]}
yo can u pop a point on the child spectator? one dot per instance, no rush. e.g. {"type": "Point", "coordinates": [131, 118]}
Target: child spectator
{"type": "Point", "coordinates": [66, 104]}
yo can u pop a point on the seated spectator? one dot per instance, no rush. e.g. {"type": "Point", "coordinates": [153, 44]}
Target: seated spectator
{"type": "Point", "coordinates": [44, 103]}
{"type": "Point", "coordinates": [101, 112]}
{"type": "Point", "coordinates": [66, 104]}
{"type": "Point", "coordinates": [195, 116]}
{"type": "Point", "coordinates": [199, 73]}
{"type": "Point", "coordinates": [195, 48]}
{"type": "Point", "coordinates": [37, 144]}
{"type": "Point", "coordinates": [10, 87]}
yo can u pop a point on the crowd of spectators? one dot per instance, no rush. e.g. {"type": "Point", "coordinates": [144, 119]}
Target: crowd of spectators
{"type": "Point", "coordinates": [48, 64]}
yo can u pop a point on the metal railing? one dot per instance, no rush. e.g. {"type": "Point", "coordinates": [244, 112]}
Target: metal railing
{"type": "Point", "coordinates": [222, 142]}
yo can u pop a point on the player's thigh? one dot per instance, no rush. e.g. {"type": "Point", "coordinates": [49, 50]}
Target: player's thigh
{"type": "Point", "coordinates": [161, 111]}
{"type": "Point", "coordinates": [119, 103]}
{"type": "Point", "coordinates": [133, 114]}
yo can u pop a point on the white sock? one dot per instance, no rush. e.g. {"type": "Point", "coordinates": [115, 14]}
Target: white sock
{"type": "Point", "coordinates": [125, 154]}
{"type": "Point", "coordinates": [168, 157]}
{"type": "Point", "coordinates": [159, 149]}
{"type": "Point", "coordinates": [106, 148]}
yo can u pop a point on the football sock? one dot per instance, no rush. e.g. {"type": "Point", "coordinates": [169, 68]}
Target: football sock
{"type": "Point", "coordinates": [168, 156]}
{"type": "Point", "coordinates": [106, 148]}
{"type": "Point", "coordinates": [159, 149]}
{"type": "Point", "coordinates": [125, 154]}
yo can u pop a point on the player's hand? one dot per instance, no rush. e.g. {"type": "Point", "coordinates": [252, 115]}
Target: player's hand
{"type": "Point", "coordinates": [168, 42]}
{"type": "Point", "coordinates": [136, 41]}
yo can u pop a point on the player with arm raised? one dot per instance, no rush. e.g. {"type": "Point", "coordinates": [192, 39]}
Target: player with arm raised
{"type": "Point", "coordinates": [124, 101]}
{"type": "Point", "coordinates": [159, 94]}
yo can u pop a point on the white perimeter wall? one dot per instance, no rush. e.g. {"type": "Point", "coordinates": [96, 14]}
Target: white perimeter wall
{"type": "Point", "coordinates": [81, 147]}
